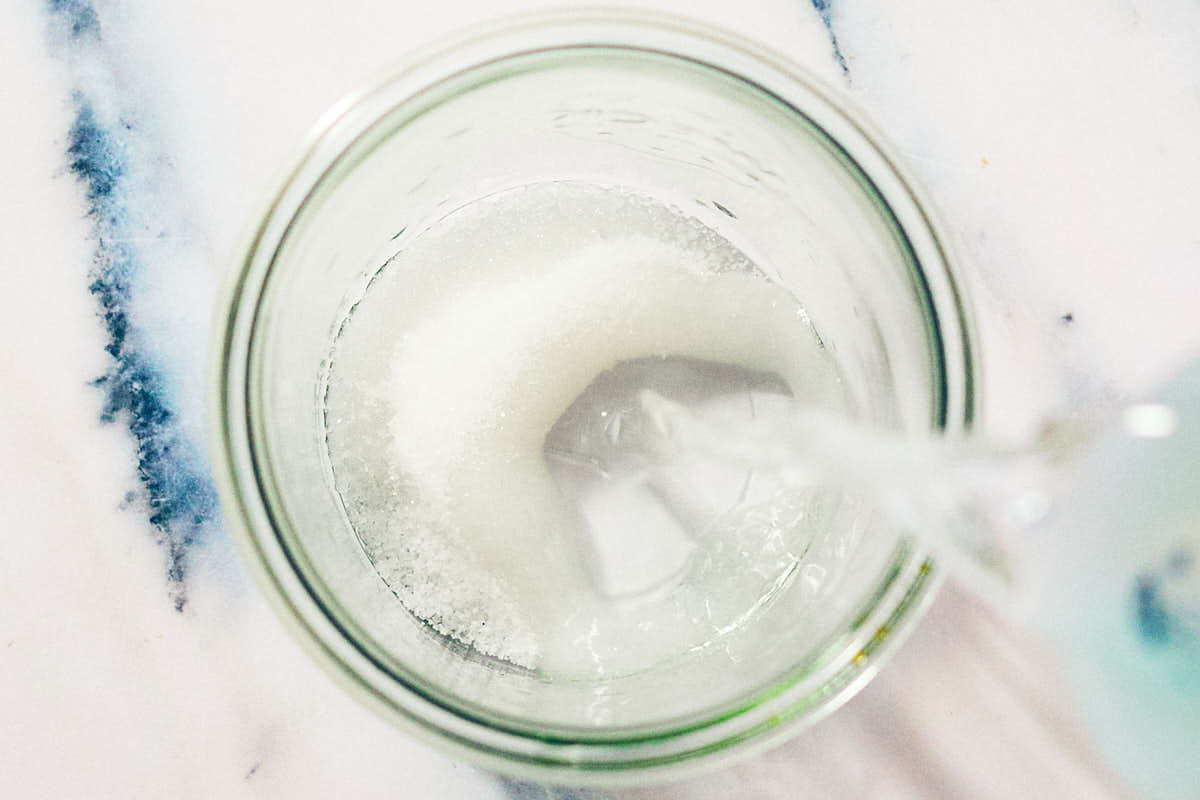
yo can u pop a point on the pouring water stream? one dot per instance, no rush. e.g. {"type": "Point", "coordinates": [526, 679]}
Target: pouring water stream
{"type": "Point", "coordinates": [1090, 536]}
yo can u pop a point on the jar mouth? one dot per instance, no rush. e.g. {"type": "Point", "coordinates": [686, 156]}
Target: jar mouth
{"type": "Point", "coordinates": [583, 755]}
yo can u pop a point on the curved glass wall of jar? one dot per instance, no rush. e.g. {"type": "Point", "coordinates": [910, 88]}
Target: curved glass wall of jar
{"type": "Point", "coordinates": [741, 140]}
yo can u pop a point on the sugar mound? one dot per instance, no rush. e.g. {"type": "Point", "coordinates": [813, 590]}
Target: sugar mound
{"type": "Point", "coordinates": [470, 347]}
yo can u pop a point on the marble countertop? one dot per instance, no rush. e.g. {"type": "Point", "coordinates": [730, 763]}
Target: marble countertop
{"type": "Point", "coordinates": [138, 660]}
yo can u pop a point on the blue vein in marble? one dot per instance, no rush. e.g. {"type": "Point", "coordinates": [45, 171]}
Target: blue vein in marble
{"type": "Point", "coordinates": [523, 790]}
{"type": "Point", "coordinates": [825, 9]}
{"type": "Point", "coordinates": [79, 16]}
{"type": "Point", "coordinates": [177, 488]}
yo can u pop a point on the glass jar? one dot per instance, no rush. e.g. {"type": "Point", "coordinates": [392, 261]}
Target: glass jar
{"type": "Point", "coordinates": [753, 148]}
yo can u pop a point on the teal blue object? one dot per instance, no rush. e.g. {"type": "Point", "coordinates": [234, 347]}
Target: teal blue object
{"type": "Point", "coordinates": [1120, 591]}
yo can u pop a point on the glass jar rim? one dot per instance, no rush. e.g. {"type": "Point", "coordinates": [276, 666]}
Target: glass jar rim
{"type": "Point", "coordinates": [762, 718]}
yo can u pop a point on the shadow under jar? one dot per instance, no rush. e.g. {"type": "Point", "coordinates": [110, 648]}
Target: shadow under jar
{"type": "Point", "coordinates": [550, 136]}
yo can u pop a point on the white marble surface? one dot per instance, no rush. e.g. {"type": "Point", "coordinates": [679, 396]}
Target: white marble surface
{"type": "Point", "coordinates": [136, 660]}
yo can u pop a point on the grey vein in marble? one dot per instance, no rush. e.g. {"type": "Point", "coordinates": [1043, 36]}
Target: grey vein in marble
{"type": "Point", "coordinates": [178, 494]}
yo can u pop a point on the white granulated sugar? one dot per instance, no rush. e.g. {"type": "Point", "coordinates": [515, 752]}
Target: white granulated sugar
{"type": "Point", "coordinates": [471, 345]}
